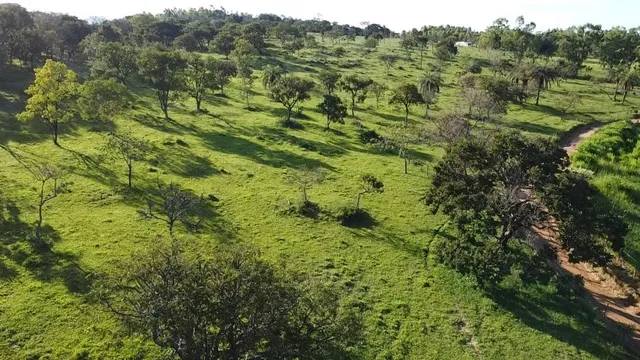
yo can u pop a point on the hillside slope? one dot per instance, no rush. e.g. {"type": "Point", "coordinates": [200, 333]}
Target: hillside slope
{"type": "Point", "coordinates": [413, 307]}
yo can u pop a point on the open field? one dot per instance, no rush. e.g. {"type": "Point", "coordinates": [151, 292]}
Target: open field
{"type": "Point", "coordinates": [414, 308]}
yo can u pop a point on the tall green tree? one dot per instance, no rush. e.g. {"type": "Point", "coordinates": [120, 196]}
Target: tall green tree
{"type": "Point", "coordinates": [163, 71]}
{"type": "Point", "coordinates": [289, 91]}
{"type": "Point", "coordinates": [493, 191]}
{"type": "Point", "coordinates": [200, 76]}
{"type": "Point", "coordinates": [334, 109]}
{"type": "Point", "coordinates": [232, 305]}
{"type": "Point", "coordinates": [102, 99]}
{"type": "Point", "coordinates": [51, 96]}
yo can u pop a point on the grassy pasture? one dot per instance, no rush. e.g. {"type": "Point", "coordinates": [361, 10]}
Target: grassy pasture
{"type": "Point", "coordinates": [413, 307]}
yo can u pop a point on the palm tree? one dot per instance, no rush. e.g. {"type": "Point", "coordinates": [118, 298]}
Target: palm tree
{"type": "Point", "coordinates": [630, 81]}
{"type": "Point", "coordinates": [428, 86]}
{"type": "Point", "coordinates": [270, 75]}
{"type": "Point", "coordinates": [522, 74]}
{"type": "Point", "coordinates": [543, 76]}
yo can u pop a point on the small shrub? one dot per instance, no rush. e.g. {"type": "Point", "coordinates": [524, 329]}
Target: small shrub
{"type": "Point", "coordinates": [291, 124]}
{"type": "Point", "coordinates": [370, 137]}
{"type": "Point", "coordinates": [308, 209]}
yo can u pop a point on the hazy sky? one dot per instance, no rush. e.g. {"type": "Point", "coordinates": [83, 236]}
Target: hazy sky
{"type": "Point", "coordinates": [396, 14]}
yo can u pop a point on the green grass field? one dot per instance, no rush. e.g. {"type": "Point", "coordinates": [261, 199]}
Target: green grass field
{"type": "Point", "coordinates": [413, 307]}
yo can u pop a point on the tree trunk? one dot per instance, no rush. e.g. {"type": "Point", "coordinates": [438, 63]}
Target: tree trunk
{"type": "Point", "coordinates": [40, 217]}
{"type": "Point", "coordinates": [406, 114]}
{"type": "Point", "coordinates": [55, 133]}
{"type": "Point", "coordinates": [304, 194]}
{"type": "Point", "coordinates": [328, 123]}
{"type": "Point", "coordinates": [289, 113]}
{"type": "Point", "coordinates": [421, 56]}
{"type": "Point", "coordinates": [353, 106]}
{"type": "Point", "coordinates": [538, 97]}
{"type": "Point", "coordinates": [198, 101]}
{"type": "Point", "coordinates": [130, 165]}
{"type": "Point", "coordinates": [358, 201]}
{"type": "Point", "coordinates": [615, 94]}
{"type": "Point", "coordinates": [406, 164]}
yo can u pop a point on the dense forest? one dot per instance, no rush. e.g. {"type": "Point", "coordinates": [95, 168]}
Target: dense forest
{"type": "Point", "coordinates": [203, 184]}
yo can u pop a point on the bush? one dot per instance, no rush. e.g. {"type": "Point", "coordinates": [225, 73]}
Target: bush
{"type": "Point", "coordinates": [308, 209]}
{"type": "Point", "coordinates": [291, 124]}
{"type": "Point", "coordinates": [370, 137]}
{"type": "Point", "coordinates": [355, 218]}
{"type": "Point", "coordinates": [474, 68]}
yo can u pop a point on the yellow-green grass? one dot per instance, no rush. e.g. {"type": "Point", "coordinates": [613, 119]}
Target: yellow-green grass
{"type": "Point", "coordinates": [413, 308]}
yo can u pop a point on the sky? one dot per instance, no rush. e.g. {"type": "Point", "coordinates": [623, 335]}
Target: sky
{"type": "Point", "coordinates": [398, 15]}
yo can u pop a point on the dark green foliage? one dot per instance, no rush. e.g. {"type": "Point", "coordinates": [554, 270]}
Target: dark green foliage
{"type": "Point", "coordinates": [289, 91]}
{"type": "Point", "coordinates": [370, 137]}
{"type": "Point", "coordinates": [487, 189]}
{"type": "Point", "coordinates": [406, 95]}
{"type": "Point", "coordinates": [589, 225]}
{"type": "Point", "coordinates": [231, 306]}
{"type": "Point", "coordinates": [329, 80]}
{"type": "Point", "coordinates": [163, 71]}
{"type": "Point", "coordinates": [334, 109]}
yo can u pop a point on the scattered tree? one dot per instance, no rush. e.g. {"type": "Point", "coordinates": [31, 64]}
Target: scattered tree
{"type": "Point", "coordinates": [163, 71]}
{"type": "Point", "coordinates": [51, 96]}
{"type": "Point", "coordinates": [401, 137]}
{"type": "Point", "coordinates": [371, 43]}
{"type": "Point", "coordinates": [357, 87]}
{"type": "Point", "coordinates": [289, 91]}
{"type": "Point", "coordinates": [128, 148]}
{"type": "Point", "coordinates": [428, 86]}
{"type": "Point", "coordinates": [406, 95]}
{"type": "Point", "coordinates": [370, 185]}
{"type": "Point", "coordinates": [378, 91]}
{"type": "Point", "coordinates": [224, 71]}
{"type": "Point", "coordinates": [329, 80]}
{"type": "Point", "coordinates": [304, 178]}
{"type": "Point", "coordinates": [270, 75]}
{"type": "Point", "coordinates": [200, 76]}
{"type": "Point", "coordinates": [45, 174]}
{"type": "Point", "coordinates": [231, 305]}
{"type": "Point", "coordinates": [494, 191]}
{"type": "Point", "coordinates": [102, 99]}
{"type": "Point", "coordinates": [568, 102]}
{"type": "Point", "coordinates": [334, 109]}
{"type": "Point", "coordinates": [174, 205]}
{"type": "Point", "coordinates": [223, 43]}
{"type": "Point", "coordinates": [112, 59]}
{"type": "Point", "coordinates": [388, 60]}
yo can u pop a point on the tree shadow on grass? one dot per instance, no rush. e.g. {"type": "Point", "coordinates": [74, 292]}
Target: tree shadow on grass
{"type": "Point", "coordinates": [271, 135]}
{"type": "Point", "coordinates": [37, 256]}
{"type": "Point", "coordinates": [533, 128]}
{"type": "Point", "coordinates": [178, 160]}
{"type": "Point", "coordinates": [586, 332]}
{"type": "Point", "coordinates": [165, 125]}
{"type": "Point", "coordinates": [229, 144]}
